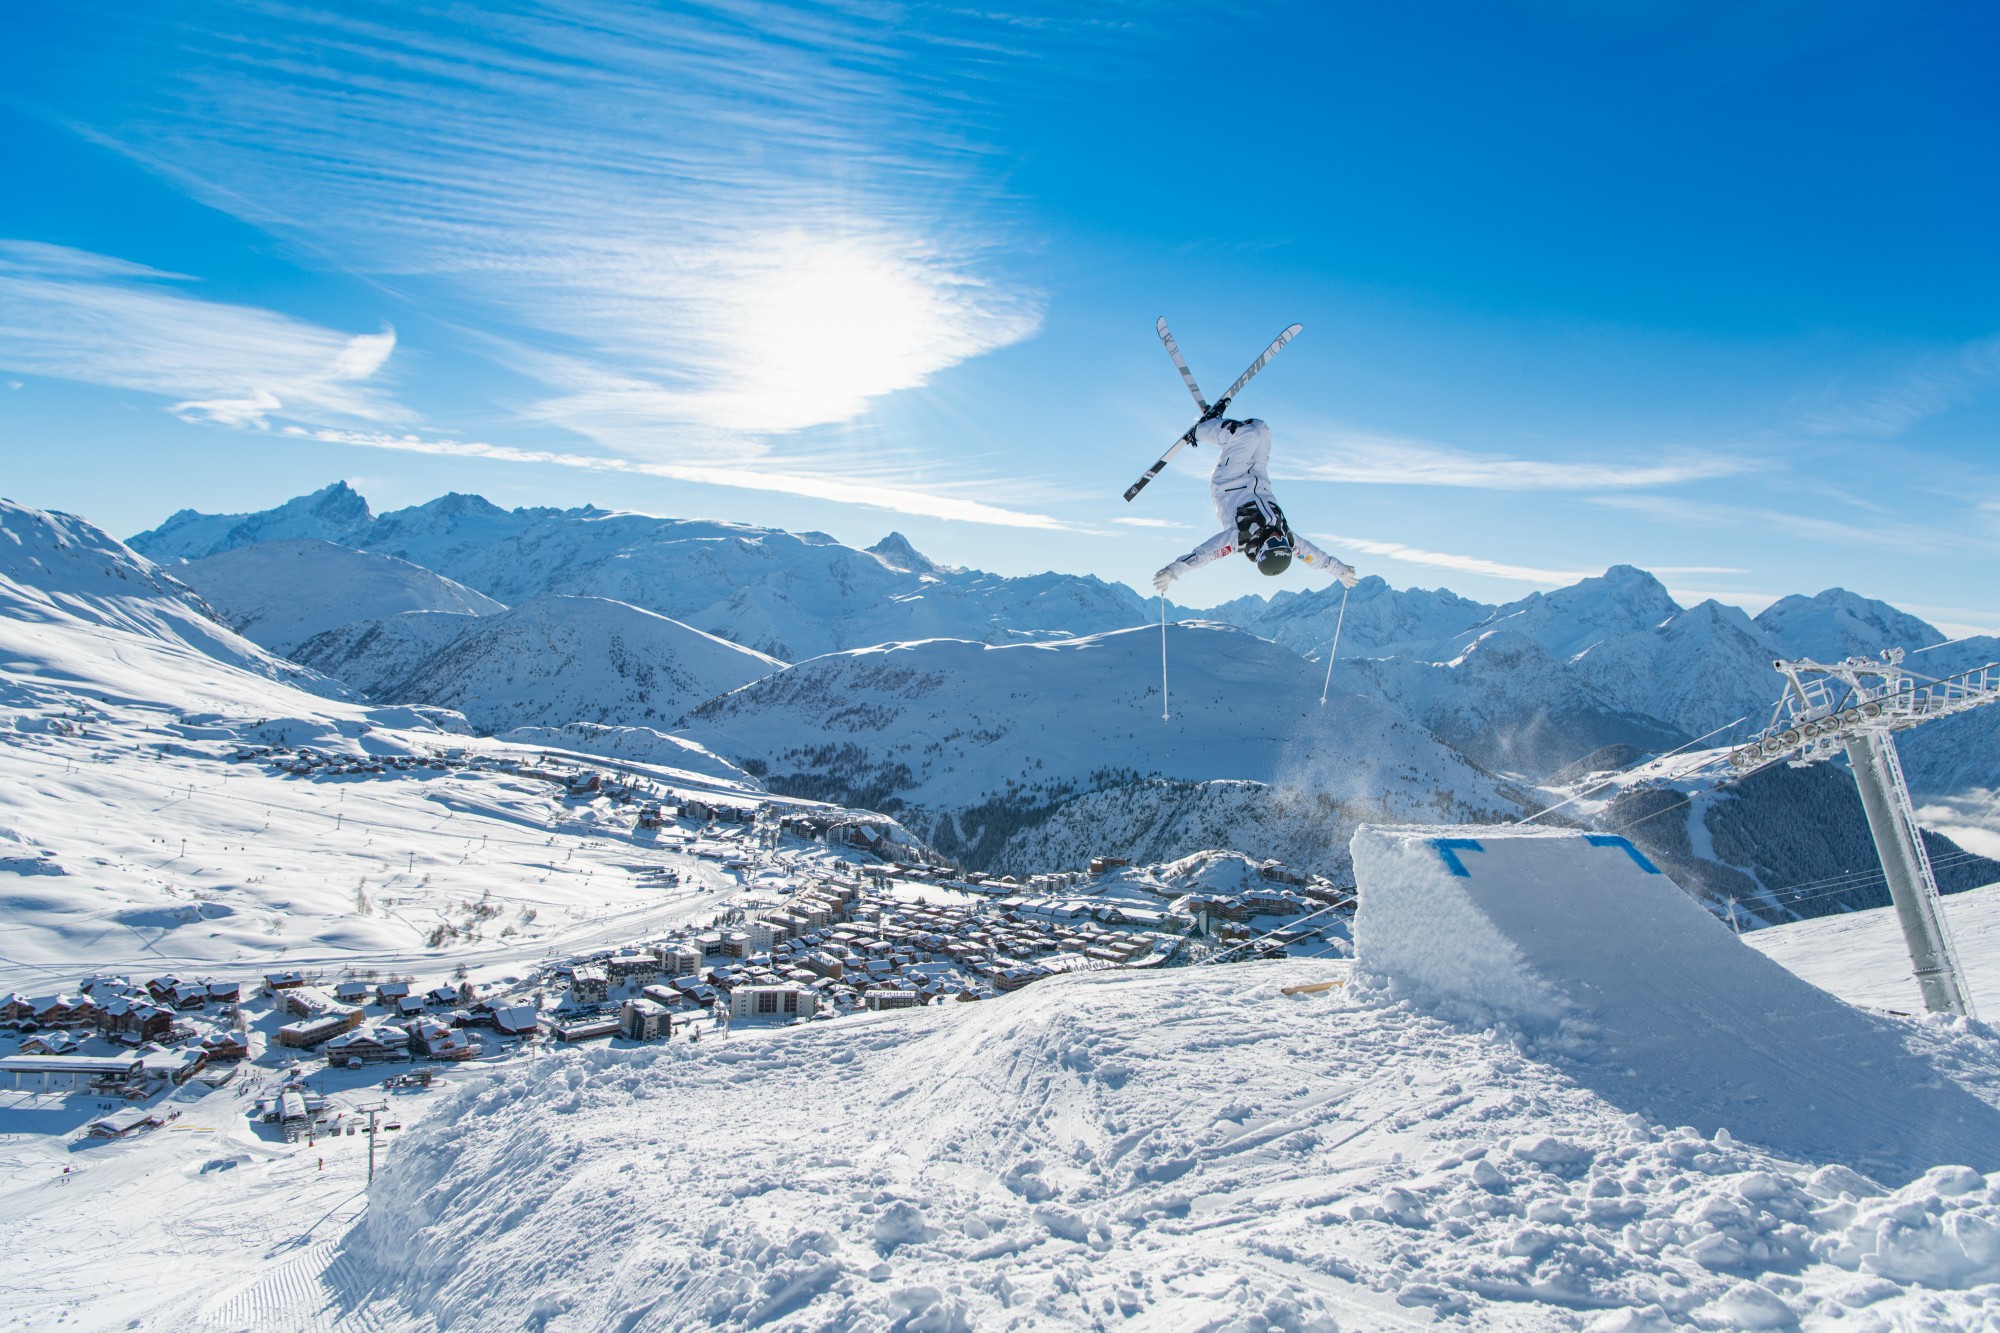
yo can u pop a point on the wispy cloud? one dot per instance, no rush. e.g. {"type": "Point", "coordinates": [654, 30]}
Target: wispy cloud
{"type": "Point", "coordinates": [1334, 454]}
{"type": "Point", "coordinates": [1874, 534]}
{"type": "Point", "coordinates": [1153, 523]}
{"type": "Point", "coordinates": [1893, 403]}
{"type": "Point", "coordinates": [72, 315]}
{"type": "Point", "coordinates": [840, 490]}
{"type": "Point", "coordinates": [1464, 564]}
{"type": "Point", "coordinates": [750, 217]}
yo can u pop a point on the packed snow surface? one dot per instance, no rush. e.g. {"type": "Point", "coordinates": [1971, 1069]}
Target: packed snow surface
{"type": "Point", "coordinates": [1582, 944]}
{"type": "Point", "coordinates": [1862, 957]}
{"type": "Point", "coordinates": [1187, 1149]}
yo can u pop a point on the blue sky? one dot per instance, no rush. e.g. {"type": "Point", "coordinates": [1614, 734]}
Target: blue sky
{"type": "Point", "coordinates": [1708, 289]}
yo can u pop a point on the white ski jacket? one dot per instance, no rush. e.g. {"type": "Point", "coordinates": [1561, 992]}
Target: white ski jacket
{"type": "Point", "coordinates": [1242, 476]}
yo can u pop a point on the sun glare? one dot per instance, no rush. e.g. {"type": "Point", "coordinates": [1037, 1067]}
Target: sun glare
{"type": "Point", "coordinates": [818, 327]}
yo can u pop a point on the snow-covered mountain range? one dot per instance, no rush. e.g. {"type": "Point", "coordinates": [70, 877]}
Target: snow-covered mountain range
{"type": "Point", "coordinates": [1536, 684]}
{"type": "Point", "coordinates": [549, 661]}
{"type": "Point", "coordinates": [980, 747]}
{"type": "Point", "coordinates": [789, 595]}
{"type": "Point", "coordinates": [1011, 760]}
{"type": "Point", "coordinates": [282, 593]}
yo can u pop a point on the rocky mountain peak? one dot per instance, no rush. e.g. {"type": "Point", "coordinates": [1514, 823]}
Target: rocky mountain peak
{"type": "Point", "coordinates": [896, 552]}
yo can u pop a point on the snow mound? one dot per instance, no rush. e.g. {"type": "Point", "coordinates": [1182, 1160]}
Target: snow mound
{"type": "Point", "coordinates": [1581, 945]}
{"type": "Point", "coordinates": [1181, 1149]}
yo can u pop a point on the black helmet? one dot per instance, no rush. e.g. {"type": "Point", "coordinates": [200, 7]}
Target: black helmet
{"type": "Point", "coordinates": [1275, 556]}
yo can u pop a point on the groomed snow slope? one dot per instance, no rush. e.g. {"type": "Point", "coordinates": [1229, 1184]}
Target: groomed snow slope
{"type": "Point", "coordinates": [1581, 943]}
{"type": "Point", "coordinates": [1861, 956]}
{"type": "Point", "coordinates": [1188, 1149]}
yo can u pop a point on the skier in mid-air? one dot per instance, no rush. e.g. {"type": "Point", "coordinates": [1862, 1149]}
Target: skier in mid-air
{"type": "Point", "coordinates": [1241, 489]}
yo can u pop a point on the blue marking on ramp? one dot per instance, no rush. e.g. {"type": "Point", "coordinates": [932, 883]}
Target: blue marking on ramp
{"type": "Point", "coordinates": [1449, 848]}
{"type": "Point", "coordinates": [1624, 845]}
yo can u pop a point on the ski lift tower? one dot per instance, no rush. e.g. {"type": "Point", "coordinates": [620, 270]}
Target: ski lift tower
{"type": "Point", "coordinates": [1855, 706]}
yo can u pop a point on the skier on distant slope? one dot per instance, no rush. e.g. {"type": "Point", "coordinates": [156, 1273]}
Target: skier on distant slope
{"type": "Point", "coordinates": [1241, 489]}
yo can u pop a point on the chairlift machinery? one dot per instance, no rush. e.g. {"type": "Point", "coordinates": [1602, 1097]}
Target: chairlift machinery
{"type": "Point", "coordinates": [1855, 707]}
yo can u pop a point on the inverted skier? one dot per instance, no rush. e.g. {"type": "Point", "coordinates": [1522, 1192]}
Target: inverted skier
{"type": "Point", "coordinates": [1253, 523]}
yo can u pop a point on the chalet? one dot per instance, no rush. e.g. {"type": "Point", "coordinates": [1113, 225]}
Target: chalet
{"type": "Point", "coordinates": [408, 1007]}
{"type": "Point", "coordinates": [225, 1046]}
{"type": "Point", "coordinates": [176, 1064]}
{"type": "Point", "coordinates": [777, 1001]}
{"type": "Point", "coordinates": [312, 1002]}
{"type": "Point", "coordinates": [351, 992]}
{"type": "Point", "coordinates": [516, 1020]}
{"type": "Point", "coordinates": [105, 984]}
{"type": "Point", "coordinates": [442, 997]}
{"type": "Point", "coordinates": [391, 991]}
{"type": "Point", "coordinates": [375, 1042]}
{"type": "Point", "coordinates": [283, 981]}
{"type": "Point", "coordinates": [312, 1031]}
{"type": "Point", "coordinates": [441, 1041]}
{"type": "Point", "coordinates": [57, 1042]}
{"type": "Point", "coordinates": [128, 1019]}
{"type": "Point", "coordinates": [589, 985]}
{"type": "Point", "coordinates": [644, 1020]}
{"type": "Point", "coordinates": [61, 1010]}
{"type": "Point", "coordinates": [225, 992]}
{"type": "Point", "coordinates": [160, 988]}
{"type": "Point", "coordinates": [652, 817]}
{"type": "Point", "coordinates": [14, 1007]}
{"type": "Point", "coordinates": [1101, 864]}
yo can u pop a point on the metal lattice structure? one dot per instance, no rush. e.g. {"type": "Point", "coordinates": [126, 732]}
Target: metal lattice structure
{"type": "Point", "coordinates": [1830, 702]}
{"type": "Point", "coordinates": [1855, 707]}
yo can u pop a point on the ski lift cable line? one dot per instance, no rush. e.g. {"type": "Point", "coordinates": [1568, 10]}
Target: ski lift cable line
{"type": "Point", "coordinates": [1860, 879]}
{"type": "Point", "coordinates": [1634, 769]}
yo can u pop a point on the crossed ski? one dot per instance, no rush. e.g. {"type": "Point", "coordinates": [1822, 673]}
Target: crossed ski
{"type": "Point", "coordinates": [1194, 391]}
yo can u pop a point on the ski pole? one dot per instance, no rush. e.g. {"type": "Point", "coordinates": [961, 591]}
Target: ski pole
{"type": "Point", "coordinates": [1340, 620]}
{"type": "Point", "coordinates": [1165, 715]}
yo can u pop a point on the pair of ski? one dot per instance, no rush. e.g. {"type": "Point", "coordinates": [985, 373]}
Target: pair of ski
{"type": "Point", "coordinates": [1187, 377]}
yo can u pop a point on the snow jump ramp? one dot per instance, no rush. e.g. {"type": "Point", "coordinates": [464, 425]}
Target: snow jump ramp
{"type": "Point", "coordinates": [1612, 971]}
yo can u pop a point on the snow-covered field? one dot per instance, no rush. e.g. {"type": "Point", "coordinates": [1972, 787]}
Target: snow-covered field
{"type": "Point", "coordinates": [1861, 957]}
{"type": "Point", "coordinates": [1187, 1148]}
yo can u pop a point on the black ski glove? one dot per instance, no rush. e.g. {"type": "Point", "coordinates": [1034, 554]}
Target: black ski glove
{"type": "Point", "coordinates": [1215, 409]}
